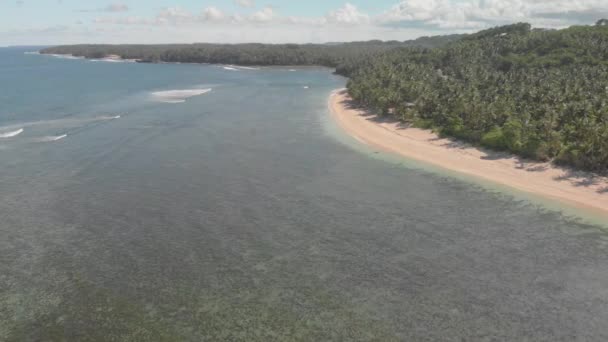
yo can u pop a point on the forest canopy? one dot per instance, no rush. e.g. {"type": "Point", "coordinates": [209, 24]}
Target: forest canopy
{"type": "Point", "coordinates": [541, 94]}
{"type": "Point", "coordinates": [343, 56]}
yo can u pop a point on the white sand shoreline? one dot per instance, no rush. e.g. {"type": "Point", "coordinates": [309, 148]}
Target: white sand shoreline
{"type": "Point", "coordinates": [580, 189]}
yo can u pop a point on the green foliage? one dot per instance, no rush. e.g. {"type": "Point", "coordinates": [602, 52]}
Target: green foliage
{"type": "Point", "coordinates": [345, 57]}
{"type": "Point", "coordinates": [519, 29]}
{"type": "Point", "coordinates": [422, 123]}
{"type": "Point", "coordinates": [542, 94]}
{"type": "Point", "coordinates": [494, 139]}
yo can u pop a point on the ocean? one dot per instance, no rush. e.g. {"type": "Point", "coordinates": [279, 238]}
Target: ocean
{"type": "Point", "coordinates": [180, 202]}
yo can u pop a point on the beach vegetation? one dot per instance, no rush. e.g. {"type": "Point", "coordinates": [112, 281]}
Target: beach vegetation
{"type": "Point", "coordinates": [541, 94]}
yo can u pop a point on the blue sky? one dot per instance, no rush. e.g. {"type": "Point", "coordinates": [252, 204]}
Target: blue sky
{"type": "Point", "coordinates": [166, 21]}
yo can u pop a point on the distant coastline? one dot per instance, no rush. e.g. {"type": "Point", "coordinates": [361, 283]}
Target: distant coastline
{"type": "Point", "coordinates": [117, 58]}
{"type": "Point", "coordinates": [107, 58]}
{"type": "Point", "coordinates": [576, 188]}
{"type": "Point", "coordinates": [344, 58]}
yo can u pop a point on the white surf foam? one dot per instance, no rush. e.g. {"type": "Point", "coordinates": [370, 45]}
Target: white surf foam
{"type": "Point", "coordinates": [11, 134]}
{"type": "Point", "coordinates": [246, 68]}
{"type": "Point", "coordinates": [292, 70]}
{"type": "Point", "coordinates": [66, 56]}
{"type": "Point", "coordinates": [51, 138]}
{"type": "Point", "coordinates": [65, 122]}
{"type": "Point", "coordinates": [59, 137]}
{"type": "Point", "coordinates": [113, 60]}
{"type": "Point", "coordinates": [178, 96]}
{"type": "Point", "coordinates": [109, 117]}
{"type": "Point", "coordinates": [238, 67]}
{"type": "Point", "coordinates": [31, 53]}
{"type": "Point", "coordinates": [306, 87]}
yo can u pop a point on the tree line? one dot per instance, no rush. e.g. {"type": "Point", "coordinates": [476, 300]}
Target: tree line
{"type": "Point", "coordinates": [541, 94]}
{"type": "Point", "coordinates": [343, 56]}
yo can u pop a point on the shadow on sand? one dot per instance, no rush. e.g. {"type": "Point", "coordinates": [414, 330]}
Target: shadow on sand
{"type": "Point", "coordinates": [576, 178]}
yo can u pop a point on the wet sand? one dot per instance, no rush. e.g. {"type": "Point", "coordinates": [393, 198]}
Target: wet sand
{"type": "Point", "coordinates": [581, 189]}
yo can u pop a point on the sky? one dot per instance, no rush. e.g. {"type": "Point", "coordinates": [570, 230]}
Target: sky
{"type": "Point", "coordinates": [48, 22]}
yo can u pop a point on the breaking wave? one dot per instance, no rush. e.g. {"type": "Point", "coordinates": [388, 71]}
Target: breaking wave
{"type": "Point", "coordinates": [113, 60]}
{"type": "Point", "coordinates": [65, 122]}
{"type": "Point", "coordinates": [11, 134]}
{"type": "Point", "coordinates": [51, 138]}
{"type": "Point", "coordinates": [59, 137]}
{"type": "Point", "coordinates": [178, 96]}
{"type": "Point", "coordinates": [238, 67]}
{"type": "Point", "coordinates": [66, 56]}
{"type": "Point", "coordinates": [109, 117]}
{"type": "Point", "coordinates": [247, 68]}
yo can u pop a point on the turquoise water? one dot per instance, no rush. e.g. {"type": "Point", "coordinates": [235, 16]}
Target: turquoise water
{"type": "Point", "coordinates": [133, 212]}
{"type": "Point", "coordinates": [585, 216]}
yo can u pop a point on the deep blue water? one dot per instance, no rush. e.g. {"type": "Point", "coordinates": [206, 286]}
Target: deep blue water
{"type": "Point", "coordinates": [239, 215]}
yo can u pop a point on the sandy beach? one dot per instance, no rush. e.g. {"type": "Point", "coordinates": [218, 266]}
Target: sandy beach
{"type": "Point", "coordinates": [581, 189]}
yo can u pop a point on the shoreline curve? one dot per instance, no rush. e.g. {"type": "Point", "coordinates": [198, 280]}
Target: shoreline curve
{"type": "Point", "coordinates": [575, 188]}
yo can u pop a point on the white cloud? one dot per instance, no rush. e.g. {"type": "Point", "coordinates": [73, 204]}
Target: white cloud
{"type": "Point", "coordinates": [434, 15]}
{"type": "Point", "coordinates": [213, 14]}
{"type": "Point", "coordinates": [264, 15]}
{"type": "Point", "coordinates": [216, 33]}
{"type": "Point", "coordinates": [470, 14]}
{"type": "Point", "coordinates": [237, 18]}
{"type": "Point", "coordinates": [174, 15]}
{"type": "Point", "coordinates": [417, 10]}
{"type": "Point", "coordinates": [348, 14]}
{"type": "Point", "coordinates": [426, 17]}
